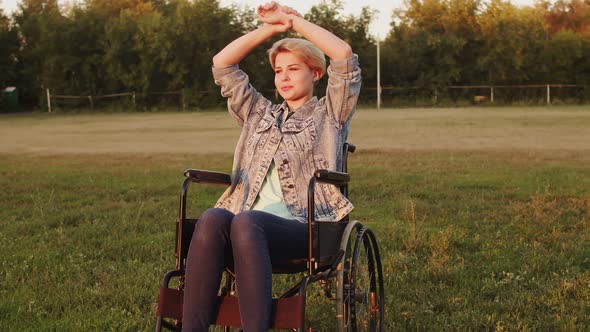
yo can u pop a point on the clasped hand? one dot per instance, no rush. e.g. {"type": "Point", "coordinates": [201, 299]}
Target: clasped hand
{"type": "Point", "coordinates": [277, 15]}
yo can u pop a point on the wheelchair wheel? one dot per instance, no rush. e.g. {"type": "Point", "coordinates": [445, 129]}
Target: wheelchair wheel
{"type": "Point", "coordinates": [363, 297]}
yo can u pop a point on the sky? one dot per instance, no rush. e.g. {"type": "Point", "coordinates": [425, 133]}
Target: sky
{"type": "Point", "coordinates": [379, 27]}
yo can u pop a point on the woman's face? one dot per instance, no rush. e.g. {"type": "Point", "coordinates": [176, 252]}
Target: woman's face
{"type": "Point", "coordinates": [294, 79]}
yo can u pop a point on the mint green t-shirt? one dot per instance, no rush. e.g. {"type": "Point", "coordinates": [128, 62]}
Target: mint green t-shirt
{"type": "Point", "coordinates": [270, 196]}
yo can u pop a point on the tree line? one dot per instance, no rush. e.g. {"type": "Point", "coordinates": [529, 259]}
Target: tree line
{"type": "Point", "coordinates": [97, 47]}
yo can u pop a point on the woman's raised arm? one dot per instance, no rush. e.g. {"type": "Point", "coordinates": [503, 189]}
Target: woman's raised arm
{"type": "Point", "coordinates": [235, 51]}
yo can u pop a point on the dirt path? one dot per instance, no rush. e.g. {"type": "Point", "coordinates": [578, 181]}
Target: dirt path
{"type": "Point", "coordinates": [465, 129]}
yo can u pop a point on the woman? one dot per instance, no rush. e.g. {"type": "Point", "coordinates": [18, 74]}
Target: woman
{"type": "Point", "coordinates": [260, 219]}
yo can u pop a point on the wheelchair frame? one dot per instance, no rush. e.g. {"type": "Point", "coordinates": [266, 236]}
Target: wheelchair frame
{"type": "Point", "coordinates": [329, 257]}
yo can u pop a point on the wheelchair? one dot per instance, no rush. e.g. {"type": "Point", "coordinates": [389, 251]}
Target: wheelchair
{"type": "Point", "coordinates": [344, 253]}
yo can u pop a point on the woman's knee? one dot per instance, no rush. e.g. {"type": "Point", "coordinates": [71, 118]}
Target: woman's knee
{"type": "Point", "coordinates": [245, 227]}
{"type": "Point", "coordinates": [216, 214]}
{"type": "Point", "coordinates": [213, 223]}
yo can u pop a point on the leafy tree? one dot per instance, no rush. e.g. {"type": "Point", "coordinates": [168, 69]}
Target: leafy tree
{"type": "Point", "coordinates": [564, 56]}
{"type": "Point", "coordinates": [327, 14]}
{"type": "Point", "coordinates": [84, 52]}
{"type": "Point", "coordinates": [8, 51]}
{"type": "Point", "coordinates": [113, 8]}
{"type": "Point", "coordinates": [583, 64]}
{"type": "Point", "coordinates": [513, 40]}
{"type": "Point", "coordinates": [121, 54]}
{"type": "Point", "coordinates": [195, 32]}
{"type": "Point", "coordinates": [573, 15]}
{"type": "Point", "coordinates": [434, 41]}
{"type": "Point", "coordinates": [38, 23]}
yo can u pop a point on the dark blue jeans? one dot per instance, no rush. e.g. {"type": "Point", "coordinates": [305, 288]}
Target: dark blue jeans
{"type": "Point", "coordinates": [251, 241]}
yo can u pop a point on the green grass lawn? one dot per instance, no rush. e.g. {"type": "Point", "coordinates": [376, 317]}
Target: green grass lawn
{"type": "Point", "coordinates": [488, 236]}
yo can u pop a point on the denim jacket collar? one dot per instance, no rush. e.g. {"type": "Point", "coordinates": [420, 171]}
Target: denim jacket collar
{"type": "Point", "coordinates": [302, 113]}
{"type": "Point", "coordinates": [306, 110]}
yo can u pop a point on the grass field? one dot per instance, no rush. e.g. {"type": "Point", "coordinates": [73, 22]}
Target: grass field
{"type": "Point", "coordinates": [482, 214]}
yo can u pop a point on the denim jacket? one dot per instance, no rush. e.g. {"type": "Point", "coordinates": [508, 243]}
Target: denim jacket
{"type": "Point", "coordinates": [311, 138]}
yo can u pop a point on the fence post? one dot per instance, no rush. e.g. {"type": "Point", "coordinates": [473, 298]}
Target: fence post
{"type": "Point", "coordinates": [435, 96]}
{"type": "Point", "coordinates": [548, 94]}
{"type": "Point", "coordinates": [91, 102]}
{"type": "Point", "coordinates": [48, 101]}
{"type": "Point", "coordinates": [492, 94]}
{"type": "Point", "coordinates": [134, 106]}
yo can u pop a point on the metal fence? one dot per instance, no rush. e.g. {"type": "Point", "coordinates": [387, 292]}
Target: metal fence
{"type": "Point", "coordinates": [453, 95]}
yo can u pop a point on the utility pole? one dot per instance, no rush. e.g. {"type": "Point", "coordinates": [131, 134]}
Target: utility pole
{"type": "Point", "coordinates": [378, 75]}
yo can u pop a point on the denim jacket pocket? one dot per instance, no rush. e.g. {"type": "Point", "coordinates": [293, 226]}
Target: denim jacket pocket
{"type": "Point", "coordinates": [299, 135]}
{"type": "Point", "coordinates": [264, 125]}
{"type": "Point", "coordinates": [257, 140]}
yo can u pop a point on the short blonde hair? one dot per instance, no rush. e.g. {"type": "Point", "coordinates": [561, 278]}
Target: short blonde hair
{"type": "Point", "coordinates": [308, 52]}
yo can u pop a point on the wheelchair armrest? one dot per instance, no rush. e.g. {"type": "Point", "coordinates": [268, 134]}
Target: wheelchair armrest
{"type": "Point", "coordinates": [332, 177]}
{"type": "Point", "coordinates": [201, 176]}
{"type": "Point", "coordinates": [350, 147]}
